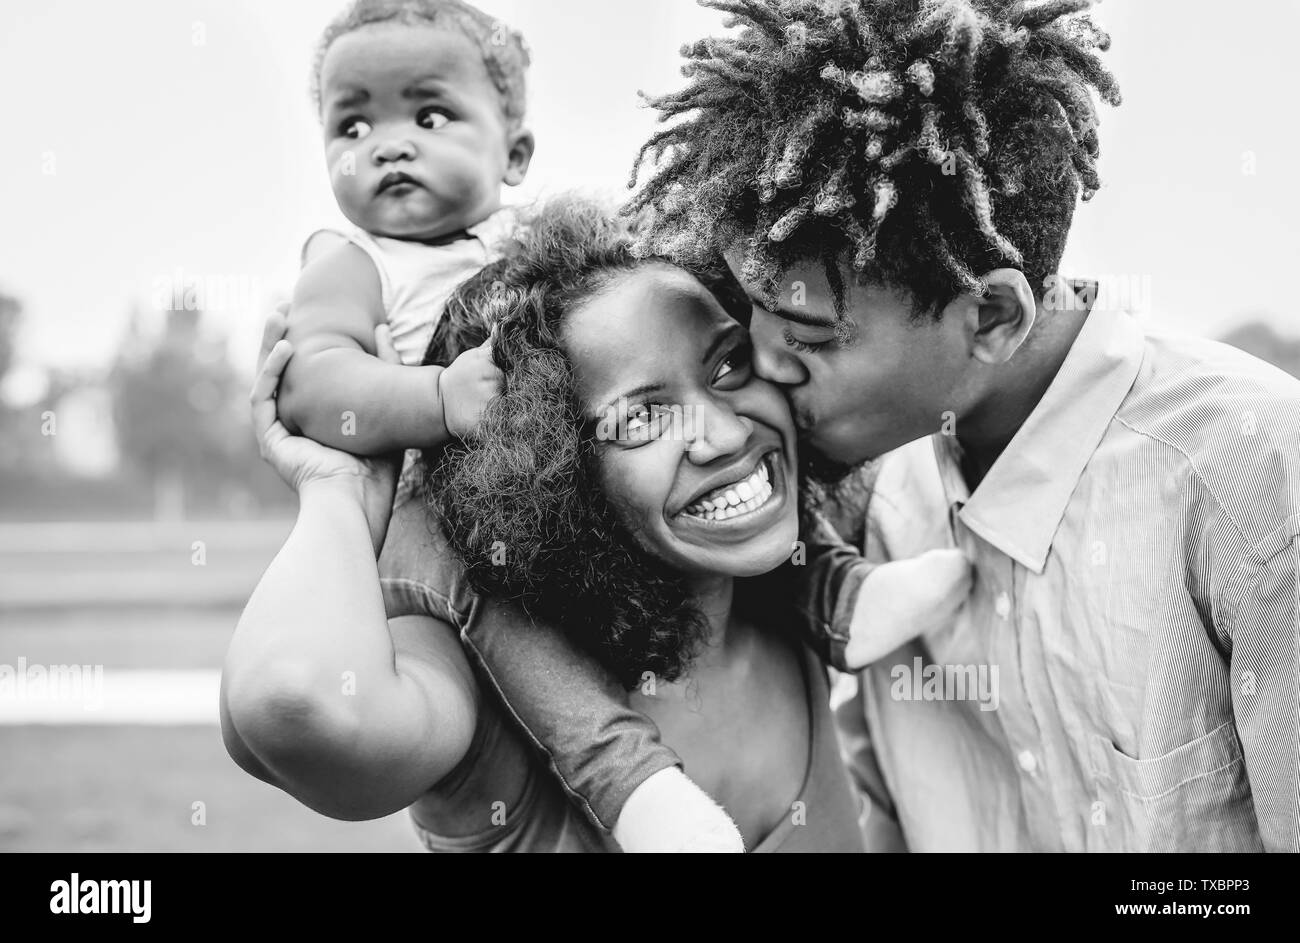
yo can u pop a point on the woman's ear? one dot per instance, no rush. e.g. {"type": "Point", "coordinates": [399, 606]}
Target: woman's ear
{"type": "Point", "coordinates": [1001, 321]}
{"type": "Point", "coordinates": [519, 157]}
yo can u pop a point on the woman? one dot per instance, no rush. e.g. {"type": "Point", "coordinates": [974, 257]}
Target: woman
{"type": "Point", "coordinates": [358, 716]}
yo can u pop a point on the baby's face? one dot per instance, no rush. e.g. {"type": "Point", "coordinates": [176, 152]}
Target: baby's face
{"type": "Point", "coordinates": [415, 137]}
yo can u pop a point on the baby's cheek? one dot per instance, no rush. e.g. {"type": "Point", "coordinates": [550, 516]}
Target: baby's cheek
{"type": "Point", "coordinates": [465, 172]}
{"type": "Point", "coordinates": [347, 190]}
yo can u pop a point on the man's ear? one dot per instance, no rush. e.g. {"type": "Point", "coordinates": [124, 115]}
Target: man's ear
{"type": "Point", "coordinates": [519, 157]}
{"type": "Point", "coordinates": [1002, 320]}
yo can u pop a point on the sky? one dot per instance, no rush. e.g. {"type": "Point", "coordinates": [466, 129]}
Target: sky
{"type": "Point", "coordinates": [153, 142]}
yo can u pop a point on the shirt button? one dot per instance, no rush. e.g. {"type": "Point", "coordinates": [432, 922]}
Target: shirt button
{"type": "Point", "coordinates": [1028, 762]}
{"type": "Point", "coordinates": [1003, 605]}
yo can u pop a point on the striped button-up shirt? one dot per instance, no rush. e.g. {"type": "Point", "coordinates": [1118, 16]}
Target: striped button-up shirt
{"type": "Point", "coordinates": [1125, 674]}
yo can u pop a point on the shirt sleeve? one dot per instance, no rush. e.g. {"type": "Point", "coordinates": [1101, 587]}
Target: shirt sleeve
{"type": "Point", "coordinates": [570, 708]}
{"type": "Point", "coordinates": [826, 591]}
{"type": "Point", "coordinates": [418, 573]}
{"type": "Point", "coordinates": [1264, 626]}
{"type": "Point", "coordinates": [563, 701]}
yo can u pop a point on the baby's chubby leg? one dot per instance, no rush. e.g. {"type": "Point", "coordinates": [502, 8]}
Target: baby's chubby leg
{"type": "Point", "coordinates": [669, 813]}
{"type": "Point", "coordinates": [904, 599]}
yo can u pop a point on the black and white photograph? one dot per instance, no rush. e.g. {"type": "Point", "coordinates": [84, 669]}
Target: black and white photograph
{"type": "Point", "coordinates": [650, 426]}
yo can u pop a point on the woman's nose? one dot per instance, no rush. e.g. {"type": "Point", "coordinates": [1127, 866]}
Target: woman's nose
{"type": "Point", "coordinates": [717, 432]}
{"type": "Point", "coordinates": [391, 149]}
{"type": "Point", "coordinates": [772, 358]}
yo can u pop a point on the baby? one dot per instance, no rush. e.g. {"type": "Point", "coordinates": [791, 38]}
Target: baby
{"type": "Point", "coordinates": [422, 105]}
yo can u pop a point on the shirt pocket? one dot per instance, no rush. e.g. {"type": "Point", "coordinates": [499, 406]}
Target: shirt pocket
{"type": "Point", "coordinates": [1193, 798]}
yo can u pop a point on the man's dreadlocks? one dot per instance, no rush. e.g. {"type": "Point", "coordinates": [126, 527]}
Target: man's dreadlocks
{"type": "Point", "coordinates": [917, 143]}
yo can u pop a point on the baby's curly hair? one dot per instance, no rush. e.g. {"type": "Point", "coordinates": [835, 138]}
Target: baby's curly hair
{"type": "Point", "coordinates": [504, 53]}
{"type": "Point", "coordinates": [914, 143]}
{"type": "Point", "coordinates": [522, 505]}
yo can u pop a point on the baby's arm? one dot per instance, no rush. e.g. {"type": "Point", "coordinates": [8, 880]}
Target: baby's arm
{"type": "Point", "coordinates": [858, 611]}
{"type": "Point", "coordinates": [608, 755]}
{"type": "Point", "coordinates": [904, 599]}
{"type": "Point", "coordinates": [336, 390]}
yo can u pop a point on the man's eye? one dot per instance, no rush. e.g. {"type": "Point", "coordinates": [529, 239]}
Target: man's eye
{"type": "Point", "coordinates": [433, 118]}
{"type": "Point", "coordinates": [355, 128]}
{"type": "Point", "coordinates": [735, 363]}
{"type": "Point", "coordinates": [807, 347]}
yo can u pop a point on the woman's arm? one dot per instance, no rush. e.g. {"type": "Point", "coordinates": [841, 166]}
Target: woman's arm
{"type": "Point", "coordinates": [351, 720]}
{"type": "Point", "coordinates": [320, 695]}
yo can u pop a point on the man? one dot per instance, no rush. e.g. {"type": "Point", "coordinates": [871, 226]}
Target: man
{"type": "Point", "coordinates": [893, 184]}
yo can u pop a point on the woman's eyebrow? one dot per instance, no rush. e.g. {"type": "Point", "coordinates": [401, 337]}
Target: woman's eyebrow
{"type": "Point", "coordinates": [628, 396]}
{"type": "Point", "coordinates": [643, 390]}
{"type": "Point", "coordinates": [720, 338]}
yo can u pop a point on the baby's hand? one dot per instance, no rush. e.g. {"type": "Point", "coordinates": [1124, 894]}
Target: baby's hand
{"type": "Point", "coordinates": [669, 813]}
{"type": "Point", "coordinates": [466, 387]}
{"type": "Point", "coordinates": [905, 599]}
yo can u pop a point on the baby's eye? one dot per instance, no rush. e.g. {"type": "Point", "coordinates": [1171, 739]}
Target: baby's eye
{"type": "Point", "coordinates": [355, 128]}
{"type": "Point", "coordinates": [433, 118]}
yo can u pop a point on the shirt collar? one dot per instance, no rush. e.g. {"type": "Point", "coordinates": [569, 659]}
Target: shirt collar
{"type": "Point", "coordinates": [1019, 504]}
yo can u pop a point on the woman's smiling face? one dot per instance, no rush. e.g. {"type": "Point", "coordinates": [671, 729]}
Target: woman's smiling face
{"type": "Point", "coordinates": [696, 452]}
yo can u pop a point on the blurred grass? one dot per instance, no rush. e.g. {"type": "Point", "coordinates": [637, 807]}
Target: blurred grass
{"type": "Point", "coordinates": [129, 596]}
{"type": "Point", "coordinates": [133, 789]}
{"type": "Point", "coordinates": [186, 564]}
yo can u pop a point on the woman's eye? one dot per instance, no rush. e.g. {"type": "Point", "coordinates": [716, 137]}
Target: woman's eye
{"type": "Point", "coordinates": [433, 118]}
{"type": "Point", "coordinates": [735, 362]}
{"type": "Point", "coordinates": [807, 347]}
{"type": "Point", "coordinates": [355, 128]}
{"type": "Point", "coordinates": [644, 422]}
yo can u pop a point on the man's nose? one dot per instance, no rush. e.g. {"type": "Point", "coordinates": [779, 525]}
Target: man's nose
{"type": "Point", "coordinates": [773, 360]}
{"type": "Point", "coordinates": [392, 149]}
{"type": "Point", "coordinates": [715, 432]}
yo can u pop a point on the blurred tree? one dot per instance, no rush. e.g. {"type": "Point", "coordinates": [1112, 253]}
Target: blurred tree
{"type": "Point", "coordinates": [11, 311]}
{"type": "Point", "coordinates": [1260, 339]}
{"type": "Point", "coordinates": [175, 405]}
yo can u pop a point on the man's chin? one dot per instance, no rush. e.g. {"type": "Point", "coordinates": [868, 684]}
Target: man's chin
{"type": "Point", "coordinates": [821, 469]}
{"type": "Point", "coordinates": [828, 464]}
{"type": "Point", "coordinates": [836, 489]}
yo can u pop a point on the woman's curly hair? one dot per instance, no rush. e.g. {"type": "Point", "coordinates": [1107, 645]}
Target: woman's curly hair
{"type": "Point", "coordinates": [915, 143]}
{"type": "Point", "coordinates": [522, 504]}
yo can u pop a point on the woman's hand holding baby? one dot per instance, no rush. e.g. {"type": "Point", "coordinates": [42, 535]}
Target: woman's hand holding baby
{"type": "Point", "coordinates": [302, 462]}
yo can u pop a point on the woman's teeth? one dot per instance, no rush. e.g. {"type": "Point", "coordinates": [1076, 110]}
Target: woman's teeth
{"type": "Point", "coordinates": [734, 500]}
